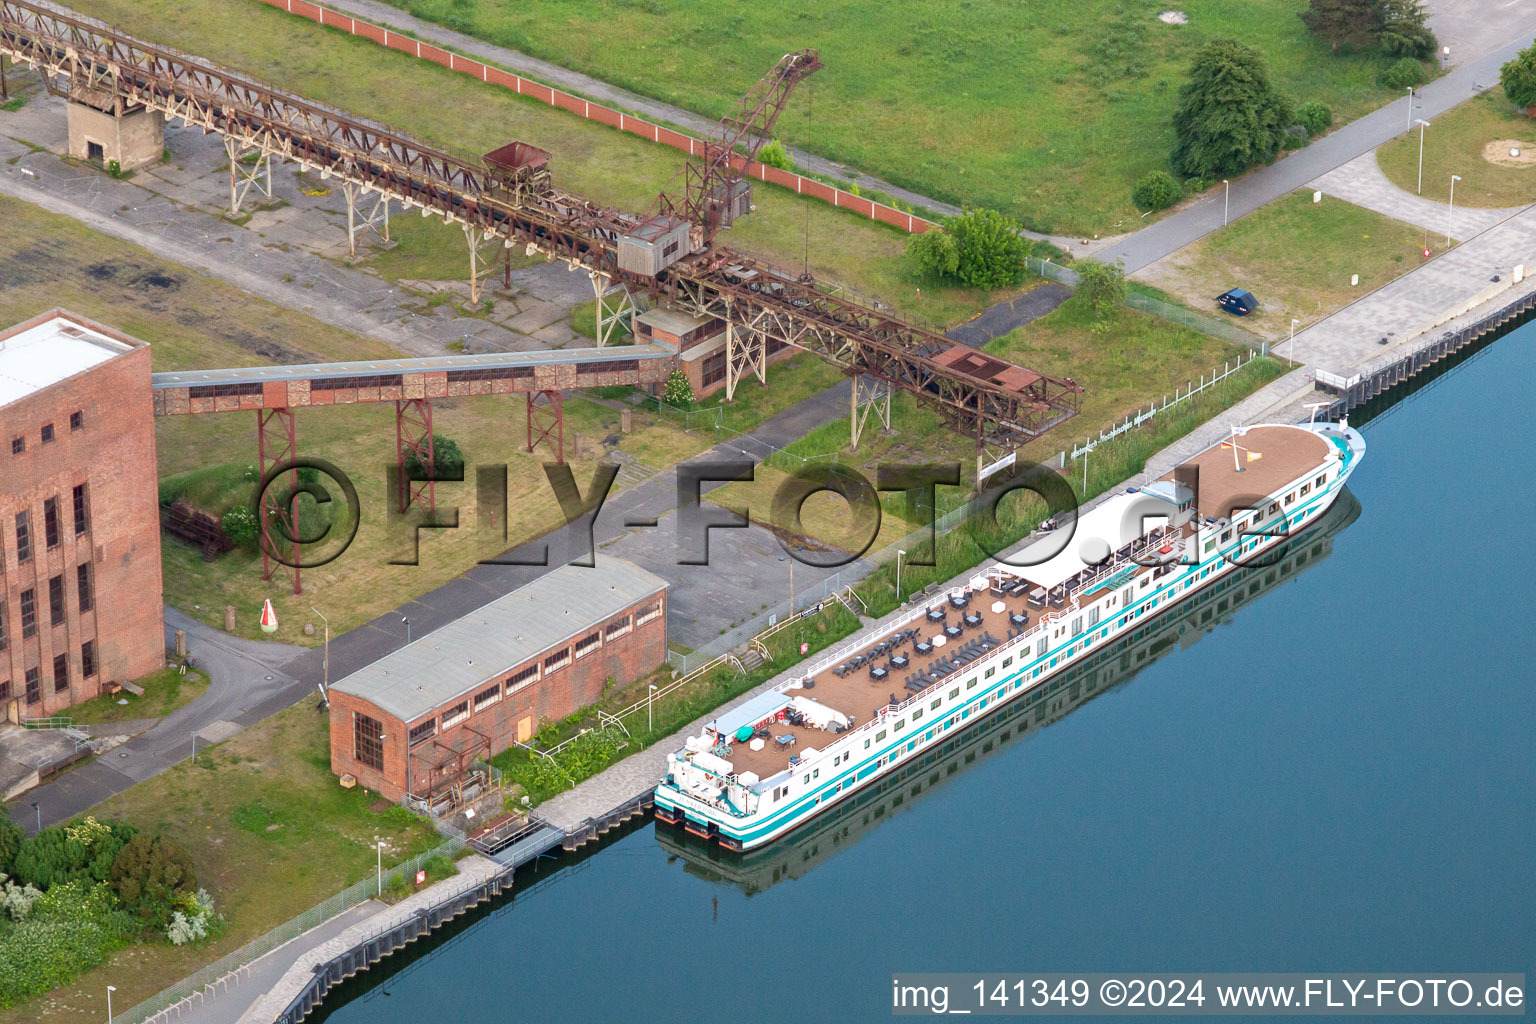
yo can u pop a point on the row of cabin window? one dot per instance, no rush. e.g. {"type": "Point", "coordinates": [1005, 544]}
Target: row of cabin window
{"type": "Point", "coordinates": [1273, 510]}
{"type": "Point", "coordinates": [33, 687]}
{"type": "Point", "coordinates": [85, 599]}
{"type": "Point", "coordinates": [517, 680]}
{"type": "Point", "coordinates": [19, 442]}
{"type": "Point", "coordinates": [51, 531]}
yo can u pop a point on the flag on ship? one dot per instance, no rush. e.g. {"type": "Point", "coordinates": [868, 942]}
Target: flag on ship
{"type": "Point", "coordinates": [1255, 456]}
{"type": "Point", "coordinates": [268, 617]}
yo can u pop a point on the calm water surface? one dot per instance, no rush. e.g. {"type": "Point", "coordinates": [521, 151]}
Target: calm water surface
{"type": "Point", "coordinates": [1338, 775]}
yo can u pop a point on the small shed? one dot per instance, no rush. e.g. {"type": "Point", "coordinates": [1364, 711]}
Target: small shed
{"type": "Point", "coordinates": [654, 245]}
{"type": "Point", "coordinates": [1237, 301]}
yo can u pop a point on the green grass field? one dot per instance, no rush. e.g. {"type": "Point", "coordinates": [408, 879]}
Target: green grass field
{"type": "Point", "coordinates": [164, 692]}
{"type": "Point", "coordinates": [1049, 110]}
{"type": "Point", "coordinates": [1455, 143]}
{"type": "Point", "coordinates": [1297, 256]}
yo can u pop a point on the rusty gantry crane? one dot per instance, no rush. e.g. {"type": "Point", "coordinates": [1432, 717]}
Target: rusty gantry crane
{"type": "Point", "coordinates": [508, 198]}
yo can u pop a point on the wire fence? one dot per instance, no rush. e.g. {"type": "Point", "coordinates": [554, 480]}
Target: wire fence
{"type": "Point", "coordinates": [204, 982]}
{"type": "Point", "coordinates": [1210, 325]}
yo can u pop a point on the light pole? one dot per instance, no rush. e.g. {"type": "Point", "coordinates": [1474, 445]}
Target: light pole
{"type": "Point", "coordinates": [650, 695]}
{"type": "Point", "coordinates": [379, 846]}
{"type": "Point", "coordinates": [39, 811]}
{"type": "Point", "coordinates": [110, 990]}
{"type": "Point", "coordinates": [325, 685]}
{"type": "Point", "coordinates": [1422, 125]}
{"type": "Point", "coordinates": [900, 553]}
{"type": "Point", "coordinates": [1410, 110]}
{"type": "Point", "coordinates": [1226, 201]}
{"type": "Point", "coordinates": [407, 621]}
{"type": "Point", "coordinates": [1291, 347]}
{"type": "Point", "coordinates": [1450, 210]}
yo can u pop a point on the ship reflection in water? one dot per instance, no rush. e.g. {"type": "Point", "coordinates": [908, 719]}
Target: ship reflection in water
{"type": "Point", "coordinates": [846, 823]}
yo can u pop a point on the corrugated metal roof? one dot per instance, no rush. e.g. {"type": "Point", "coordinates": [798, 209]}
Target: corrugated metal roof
{"type": "Point", "coordinates": [461, 656]}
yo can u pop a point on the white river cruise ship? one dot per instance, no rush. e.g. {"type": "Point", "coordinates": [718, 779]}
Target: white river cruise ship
{"type": "Point", "coordinates": [776, 761]}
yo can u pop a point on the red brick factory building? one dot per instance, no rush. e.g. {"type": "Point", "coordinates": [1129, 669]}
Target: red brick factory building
{"type": "Point", "coordinates": [79, 518]}
{"type": "Point", "coordinates": [473, 687]}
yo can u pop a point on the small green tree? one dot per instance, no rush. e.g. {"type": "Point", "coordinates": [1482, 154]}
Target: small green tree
{"type": "Point", "coordinates": [150, 875]}
{"type": "Point", "coordinates": [240, 525]}
{"type": "Point", "coordinates": [775, 155]}
{"type": "Point", "coordinates": [1403, 72]}
{"type": "Point", "coordinates": [1315, 116]}
{"type": "Point", "coordinates": [1156, 190]}
{"type": "Point", "coordinates": [10, 839]}
{"type": "Point", "coordinates": [678, 391]}
{"type": "Point", "coordinates": [447, 461]}
{"type": "Point", "coordinates": [1100, 290]}
{"type": "Point", "coordinates": [83, 852]}
{"type": "Point", "coordinates": [935, 252]}
{"type": "Point", "coordinates": [1229, 116]}
{"type": "Point", "coordinates": [990, 250]}
{"type": "Point", "coordinates": [1518, 77]}
{"type": "Point", "coordinates": [1344, 24]}
{"type": "Point", "coordinates": [1405, 30]}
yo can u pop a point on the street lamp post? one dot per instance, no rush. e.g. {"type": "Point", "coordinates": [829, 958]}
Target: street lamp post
{"type": "Point", "coordinates": [407, 621]}
{"type": "Point", "coordinates": [900, 553]}
{"type": "Point", "coordinates": [39, 811]}
{"type": "Point", "coordinates": [110, 990]}
{"type": "Point", "coordinates": [1226, 201]}
{"type": "Point", "coordinates": [325, 685]}
{"type": "Point", "coordinates": [1410, 109]}
{"type": "Point", "coordinates": [1291, 346]}
{"type": "Point", "coordinates": [1450, 210]}
{"type": "Point", "coordinates": [650, 696]}
{"type": "Point", "coordinates": [1422, 125]}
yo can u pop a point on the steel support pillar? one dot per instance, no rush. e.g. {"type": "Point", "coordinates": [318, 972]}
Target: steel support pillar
{"type": "Point", "coordinates": [868, 395]}
{"type": "Point", "coordinates": [545, 425]}
{"type": "Point", "coordinates": [375, 220]}
{"type": "Point", "coordinates": [485, 251]}
{"type": "Point", "coordinates": [413, 436]}
{"type": "Point", "coordinates": [277, 443]}
{"type": "Point", "coordinates": [744, 358]}
{"type": "Point", "coordinates": [242, 175]}
{"type": "Point", "coordinates": [614, 308]}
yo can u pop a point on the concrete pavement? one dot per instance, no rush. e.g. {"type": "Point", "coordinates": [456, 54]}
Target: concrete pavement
{"type": "Point", "coordinates": [1361, 182]}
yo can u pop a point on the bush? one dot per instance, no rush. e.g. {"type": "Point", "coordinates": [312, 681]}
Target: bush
{"type": "Point", "coordinates": [1101, 289]}
{"type": "Point", "coordinates": [1294, 140]}
{"type": "Point", "coordinates": [191, 918]}
{"type": "Point", "coordinates": [1315, 116]}
{"type": "Point", "coordinates": [1229, 116]}
{"type": "Point", "coordinates": [10, 839]}
{"type": "Point", "coordinates": [678, 391]}
{"type": "Point", "coordinates": [1156, 190]}
{"type": "Point", "coordinates": [775, 155]}
{"type": "Point", "coordinates": [934, 252]}
{"type": "Point", "coordinates": [17, 900]}
{"type": "Point", "coordinates": [990, 252]}
{"type": "Point", "coordinates": [73, 853]}
{"type": "Point", "coordinates": [151, 876]}
{"type": "Point", "coordinates": [71, 928]}
{"type": "Point", "coordinates": [447, 461]}
{"type": "Point", "coordinates": [1518, 77]}
{"type": "Point", "coordinates": [239, 524]}
{"type": "Point", "coordinates": [1403, 73]}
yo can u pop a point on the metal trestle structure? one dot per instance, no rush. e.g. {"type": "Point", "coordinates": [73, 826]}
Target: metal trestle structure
{"type": "Point", "coordinates": [277, 443]}
{"type": "Point", "coordinates": [413, 436]}
{"type": "Point", "coordinates": [249, 167]}
{"type": "Point", "coordinates": [869, 396]}
{"type": "Point", "coordinates": [546, 423]}
{"type": "Point", "coordinates": [376, 219]}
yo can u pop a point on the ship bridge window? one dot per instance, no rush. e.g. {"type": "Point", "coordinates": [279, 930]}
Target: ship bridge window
{"type": "Point", "coordinates": [1040, 647]}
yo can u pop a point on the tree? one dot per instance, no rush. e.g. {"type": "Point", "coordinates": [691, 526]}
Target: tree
{"type": "Point", "coordinates": [10, 839]}
{"type": "Point", "coordinates": [1230, 116]}
{"type": "Point", "coordinates": [1518, 77]}
{"type": "Point", "coordinates": [150, 875]}
{"type": "Point", "coordinates": [775, 155]}
{"type": "Point", "coordinates": [83, 852]}
{"type": "Point", "coordinates": [678, 391]}
{"type": "Point", "coordinates": [990, 251]}
{"type": "Point", "coordinates": [1100, 290]}
{"type": "Point", "coordinates": [447, 461]}
{"type": "Point", "coordinates": [1405, 30]}
{"type": "Point", "coordinates": [1346, 24]}
{"type": "Point", "coordinates": [1156, 190]}
{"type": "Point", "coordinates": [935, 252]}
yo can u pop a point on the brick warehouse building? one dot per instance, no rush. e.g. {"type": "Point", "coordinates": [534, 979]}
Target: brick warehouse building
{"type": "Point", "coordinates": [700, 344]}
{"type": "Point", "coordinates": [471, 688]}
{"type": "Point", "coordinates": [79, 520]}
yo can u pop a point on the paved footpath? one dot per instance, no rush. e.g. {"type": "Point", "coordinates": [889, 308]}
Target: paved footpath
{"type": "Point", "coordinates": [1361, 182]}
